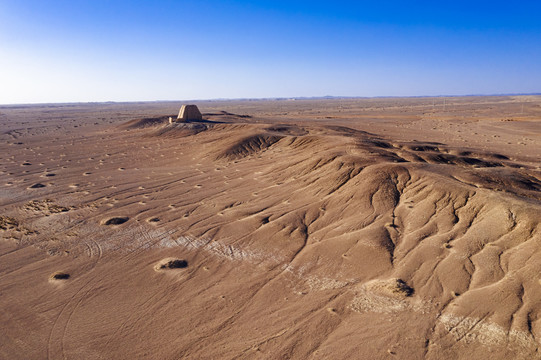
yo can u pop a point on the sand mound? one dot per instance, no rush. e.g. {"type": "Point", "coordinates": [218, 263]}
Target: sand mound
{"type": "Point", "coordinates": [180, 129]}
{"type": "Point", "coordinates": [248, 146]}
{"type": "Point", "coordinates": [144, 123]}
{"type": "Point", "coordinates": [287, 129]}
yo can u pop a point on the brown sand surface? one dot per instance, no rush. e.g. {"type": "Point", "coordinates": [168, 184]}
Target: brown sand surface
{"type": "Point", "coordinates": [393, 228]}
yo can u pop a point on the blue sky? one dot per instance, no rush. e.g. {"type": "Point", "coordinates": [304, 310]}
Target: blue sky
{"type": "Point", "coordinates": [98, 50]}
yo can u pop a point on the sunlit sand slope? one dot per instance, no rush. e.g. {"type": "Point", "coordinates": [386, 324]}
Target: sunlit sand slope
{"type": "Point", "coordinates": [243, 237]}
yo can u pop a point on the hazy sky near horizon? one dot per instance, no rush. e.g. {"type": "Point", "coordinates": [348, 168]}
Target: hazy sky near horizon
{"type": "Point", "coordinates": [99, 50]}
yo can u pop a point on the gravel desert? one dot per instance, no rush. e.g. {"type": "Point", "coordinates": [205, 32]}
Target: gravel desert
{"type": "Point", "coordinates": [343, 228]}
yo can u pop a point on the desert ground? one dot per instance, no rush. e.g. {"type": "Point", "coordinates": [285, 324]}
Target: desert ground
{"type": "Point", "coordinates": [382, 228]}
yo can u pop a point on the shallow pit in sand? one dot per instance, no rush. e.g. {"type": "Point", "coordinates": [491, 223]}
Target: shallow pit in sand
{"type": "Point", "coordinates": [390, 287]}
{"type": "Point", "coordinates": [170, 264]}
{"type": "Point", "coordinates": [59, 276]}
{"type": "Point", "coordinates": [116, 220]}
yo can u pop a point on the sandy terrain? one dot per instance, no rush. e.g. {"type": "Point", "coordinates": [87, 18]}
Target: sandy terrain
{"type": "Point", "coordinates": [340, 228]}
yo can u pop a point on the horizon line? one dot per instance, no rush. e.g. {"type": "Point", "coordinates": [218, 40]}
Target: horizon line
{"type": "Point", "coordinates": [278, 98]}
